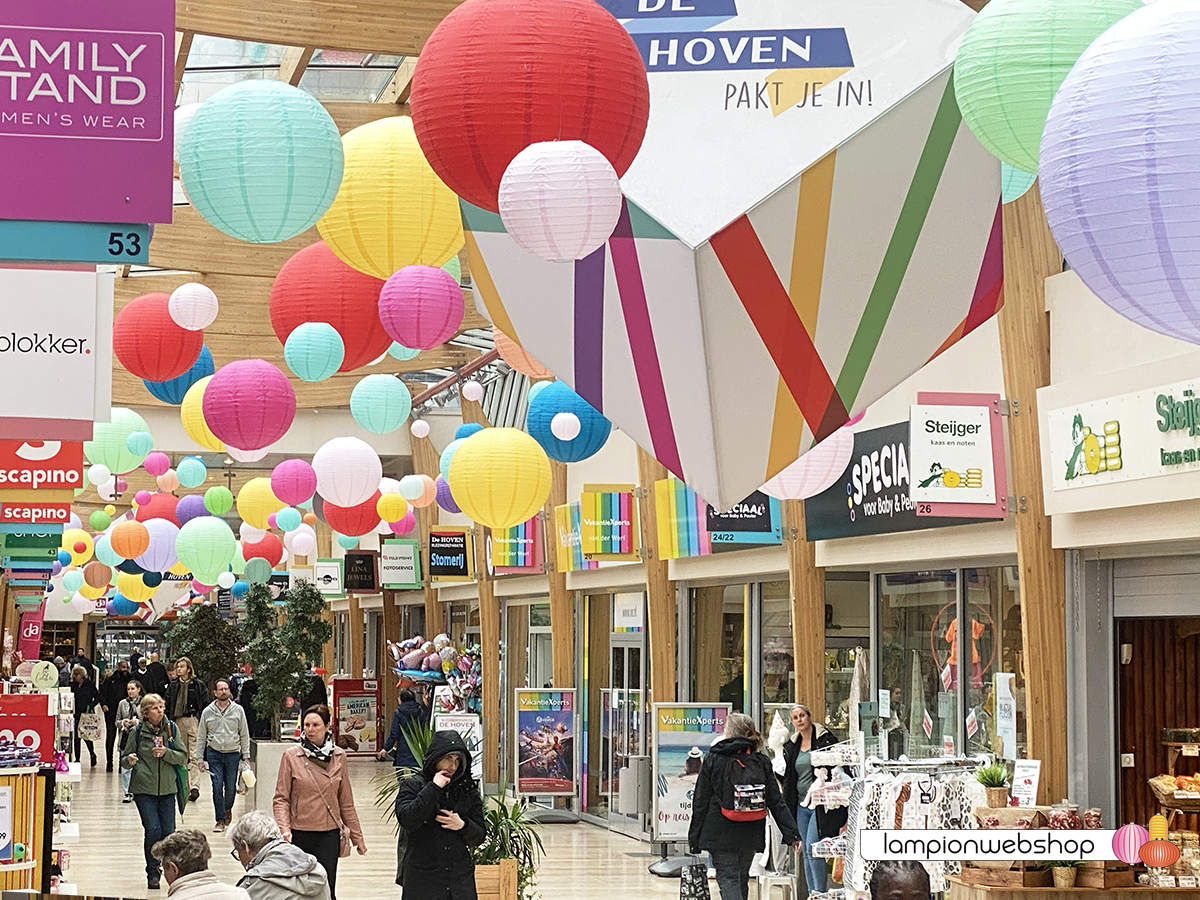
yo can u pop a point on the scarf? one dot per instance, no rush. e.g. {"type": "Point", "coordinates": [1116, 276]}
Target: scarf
{"type": "Point", "coordinates": [321, 754]}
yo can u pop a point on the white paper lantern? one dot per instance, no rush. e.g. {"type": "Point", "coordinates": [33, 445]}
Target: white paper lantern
{"type": "Point", "coordinates": [283, 560]}
{"type": "Point", "coordinates": [383, 528]}
{"type": "Point", "coordinates": [183, 115]}
{"type": "Point", "coordinates": [420, 429]}
{"type": "Point", "coordinates": [226, 580]}
{"type": "Point", "coordinates": [348, 471]}
{"type": "Point", "coordinates": [246, 456]}
{"type": "Point", "coordinates": [389, 485]}
{"type": "Point", "coordinates": [250, 534]}
{"type": "Point", "coordinates": [82, 604]}
{"type": "Point", "coordinates": [472, 391]}
{"type": "Point", "coordinates": [411, 487]}
{"type": "Point", "coordinates": [98, 474]}
{"type": "Point", "coordinates": [304, 544]}
{"type": "Point", "coordinates": [107, 490]}
{"type": "Point", "coordinates": [560, 200]}
{"type": "Point", "coordinates": [193, 306]}
{"type": "Point", "coordinates": [816, 470]}
{"type": "Point", "coordinates": [289, 539]}
{"type": "Point", "coordinates": [565, 426]}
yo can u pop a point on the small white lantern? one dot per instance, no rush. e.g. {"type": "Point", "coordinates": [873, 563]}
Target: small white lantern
{"type": "Point", "coordinates": [193, 306]}
{"type": "Point", "coordinates": [472, 391]}
{"type": "Point", "coordinates": [420, 428]}
{"type": "Point", "coordinates": [565, 426]}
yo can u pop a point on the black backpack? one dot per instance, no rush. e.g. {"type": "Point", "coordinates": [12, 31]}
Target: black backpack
{"type": "Point", "coordinates": [744, 793]}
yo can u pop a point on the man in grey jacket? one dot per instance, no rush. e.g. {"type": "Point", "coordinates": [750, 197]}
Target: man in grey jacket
{"type": "Point", "coordinates": [222, 742]}
{"type": "Point", "coordinates": [275, 869]}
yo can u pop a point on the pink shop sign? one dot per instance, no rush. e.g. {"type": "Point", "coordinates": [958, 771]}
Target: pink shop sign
{"type": "Point", "coordinates": [86, 110]}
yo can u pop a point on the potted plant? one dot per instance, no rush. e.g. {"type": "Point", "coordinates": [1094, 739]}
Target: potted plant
{"type": "Point", "coordinates": [994, 778]}
{"type": "Point", "coordinates": [1063, 872]}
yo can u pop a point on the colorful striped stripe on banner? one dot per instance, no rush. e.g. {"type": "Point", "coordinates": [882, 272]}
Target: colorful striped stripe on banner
{"type": "Point", "coordinates": [989, 288]}
{"type": "Point", "coordinates": [482, 280]}
{"type": "Point", "coordinates": [589, 328]}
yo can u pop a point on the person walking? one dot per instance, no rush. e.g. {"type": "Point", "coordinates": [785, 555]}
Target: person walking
{"type": "Point", "coordinates": [408, 715]}
{"type": "Point", "coordinates": [152, 750]}
{"type": "Point", "coordinates": [222, 742]}
{"type": "Point", "coordinates": [798, 778]}
{"type": "Point", "coordinates": [275, 869]}
{"type": "Point", "coordinates": [441, 811]}
{"type": "Point", "coordinates": [81, 659]}
{"type": "Point", "coordinates": [128, 714]}
{"type": "Point", "coordinates": [156, 678]}
{"type": "Point", "coordinates": [733, 843]}
{"type": "Point", "coordinates": [64, 672]}
{"type": "Point", "coordinates": [186, 698]}
{"type": "Point", "coordinates": [184, 856]}
{"type": "Point", "coordinates": [313, 801]}
{"type": "Point", "coordinates": [87, 698]}
{"type": "Point", "coordinates": [112, 692]}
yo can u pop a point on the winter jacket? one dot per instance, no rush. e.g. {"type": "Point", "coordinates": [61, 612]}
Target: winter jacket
{"type": "Point", "coordinates": [87, 698]}
{"type": "Point", "coordinates": [408, 715]}
{"type": "Point", "coordinates": [437, 863]}
{"type": "Point", "coordinates": [156, 678]}
{"type": "Point", "coordinates": [282, 871]}
{"type": "Point", "coordinates": [829, 821]}
{"type": "Point", "coordinates": [710, 829]}
{"type": "Point", "coordinates": [113, 690]}
{"type": "Point", "coordinates": [306, 794]}
{"type": "Point", "coordinates": [203, 885]}
{"type": "Point", "coordinates": [128, 709]}
{"type": "Point", "coordinates": [153, 775]}
{"type": "Point", "coordinates": [225, 730]}
{"type": "Point", "coordinates": [197, 697]}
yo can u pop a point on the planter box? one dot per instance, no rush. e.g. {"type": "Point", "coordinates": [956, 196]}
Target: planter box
{"type": "Point", "coordinates": [1104, 875]}
{"type": "Point", "coordinates": [497, 882]}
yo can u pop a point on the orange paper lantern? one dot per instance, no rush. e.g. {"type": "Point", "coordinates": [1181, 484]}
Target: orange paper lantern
{"type": "Point", "coordinates": [130, 539]}
{"type": "Point", "coordinates": [516, 357]}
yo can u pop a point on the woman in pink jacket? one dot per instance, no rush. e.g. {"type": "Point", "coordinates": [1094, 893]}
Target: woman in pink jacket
{"type": "Point", "coordinates": [313, 801]}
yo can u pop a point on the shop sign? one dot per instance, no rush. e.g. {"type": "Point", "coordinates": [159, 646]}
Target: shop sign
{"type": "Point", "coordinates": [627, 613]}
{"type": "Point", "coordinates": [85, 242]}
{"type": "Point", "coordinates": [450, 551]}
{"type": "Point", "coordinates": [470, 726]}
{"type": "Point", "coordinates": [957, 455]}
{"type": "Point", "coordinates": [545, 745]}
{"type": "Point", "coordinates": [682, 734]}
{"type": "Point", "coordinates": [680, 517]}
{"type": "Point", "coordinates": [360, 575]}
{"type": "Point", "coordinates": [35, 513]}
{"type": "Point", "coordinates": [518, 550]}
{"type": "Point", "coordinates": [608, 526]}
{"type": "Point", "coordinates": [35, 732]}
{"type": "Point", "coordinates": [30, 643]}
{"type": "Point", "coordinates": [1006, 715]}
{"type": "Point", "coordinates": [41, 465]}
{"type": "Point", "coordinates": [328, 575]}
{"type": "Point", "coordinates": [568, 543]}
{"type": "Point", "coordinates": [872, 496]}
{"type": "Point", "coordinates": [756, 520]}
{"type": "Point", "coordinates": [400, 562]}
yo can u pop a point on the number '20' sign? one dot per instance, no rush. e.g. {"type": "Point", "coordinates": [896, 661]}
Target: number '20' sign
{"type": "Point", "coordinates": [32, 732]}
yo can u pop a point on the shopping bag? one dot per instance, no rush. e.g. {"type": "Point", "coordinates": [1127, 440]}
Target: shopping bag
{"type": "Point", "coordinates": [693, 881]}
{"type": "Point", "coordinates": [91, 726]}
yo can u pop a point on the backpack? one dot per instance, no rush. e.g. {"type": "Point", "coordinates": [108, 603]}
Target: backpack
{"type": "Point", "coordinates": [744, 793]}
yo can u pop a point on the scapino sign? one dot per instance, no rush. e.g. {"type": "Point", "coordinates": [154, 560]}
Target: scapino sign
{"type": "Point", "coordinates": [33, 465]}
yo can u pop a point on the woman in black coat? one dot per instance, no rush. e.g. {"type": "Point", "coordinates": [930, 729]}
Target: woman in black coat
{"type": "Point", "coordinates": [798, 777]}
{"type": "Point", "coordinates": [87, 698]}
{"type": "Point", "coordinates": [733, 844]}
{"type": "Point", "coordinates": [440, 813]}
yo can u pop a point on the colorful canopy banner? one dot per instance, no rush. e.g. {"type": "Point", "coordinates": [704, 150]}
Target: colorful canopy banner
{"type": "Point", "coordinates": [608, 526]}
{"type": "Point", "coordinates": [682, 530]}
{"type": "Point", "coordinates": [856, 235]}
{"type": "Point", "coordinates": [518, 550]}
{"type": "Point", "coordinates": [568, 549]}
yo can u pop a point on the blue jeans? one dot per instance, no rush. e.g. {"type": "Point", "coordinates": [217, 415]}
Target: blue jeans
{"type": "Point", "coordinates": [158, 820]}
{"type": "Point", "coordinates": [815, 872]}
{"type": "Point", "coordinates": [223, 767]}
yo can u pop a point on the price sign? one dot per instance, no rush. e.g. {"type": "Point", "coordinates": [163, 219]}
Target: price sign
{"type": "Point", "coordinates": [86, 242]}
{"type": "Point", "coordinates": [1191, 749]}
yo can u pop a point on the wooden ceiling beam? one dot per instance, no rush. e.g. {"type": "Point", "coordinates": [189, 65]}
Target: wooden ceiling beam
{"type": "Point", "coordinates": [295, 61]}
{"type": "Point", "coordinates": [398, 88]}
{"type": "Point", "coordinates": [183, 47]}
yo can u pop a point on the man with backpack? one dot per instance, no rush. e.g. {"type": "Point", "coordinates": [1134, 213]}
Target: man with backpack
{"type": "Point", "coordinates": [734, 792]}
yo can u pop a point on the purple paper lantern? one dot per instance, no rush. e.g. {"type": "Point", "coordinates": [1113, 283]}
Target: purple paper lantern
{"type": "Point", "coordinates": [445, 499]}
{"type": "Point", "coordinates": [293, 481]}
{"type": "Point", "coordinates": [160, 555]}
{"type": "Point", "coordinates": [189, 507]}
{"type": "Point", "coordinates": [249, 404]}
{"type": "Point", "coordinates": [1120, 161]}
{"type": "Point", "coordinates": [421, 306]}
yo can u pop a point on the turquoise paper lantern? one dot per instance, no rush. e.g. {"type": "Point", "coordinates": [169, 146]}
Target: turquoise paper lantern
{"type": "Point", "coordinates": [314, 351]}
{"type": "Point", "coordinates": [258, 570]}
{"type": "Point", "coordinates": [191, 472]}
{"type": "Point", "coordinates": [466, 429]}
{"type": "Point", "coordinates": [288, 519]}
{"type": "Point", "coordinates": [448, 456]}
{"type": "Point", "coordinates": [72, 580]}
{"type": "Point", "coordinates": [347, 542]}
{"type": "Point", "coordinates": [1014, 182]}
{"type": "Point", "coordinates": [536, 388]}
{"type": "Point", "coordinates": [109, 445]}
{"type": "Point", "coordinates": [402, 353]}
{"type": "Point", "coordinates": [104, 552]}
{"type": "Point", "coordinates": [261, 161]}
{"type": "Point", "coordinates": [175, 389]}
{"type": "Point", "coordinates": [380, 403]}
{"type": "Point", "coordinates": [140, 443]}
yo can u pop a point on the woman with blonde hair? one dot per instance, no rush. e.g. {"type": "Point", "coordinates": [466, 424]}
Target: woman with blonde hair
{"type": "Point", "coordinates": [808, 736]}
{"type": "Point", "coordinates": [152, 749]}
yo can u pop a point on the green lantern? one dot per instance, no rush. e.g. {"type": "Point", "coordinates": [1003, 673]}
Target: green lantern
{"type": "Point", "coordinates": [238, 565]}
{"type": "Point", "coordinates": [109, 445]}
{"type": "Point", "coordinates": [258, 570]}
{"type": "Point", "coordinates": [218, 500]}
{"type": "Point", "coordinates": [1011, 62]}
{"type": "Point", "coordinates": [99, 520]}
{"type": "Point", "coordinates": [380, 403]}
{"type": "Point", "coordinates": [314, 351]}
{"type": "Point", "coordinates": [206, 546]}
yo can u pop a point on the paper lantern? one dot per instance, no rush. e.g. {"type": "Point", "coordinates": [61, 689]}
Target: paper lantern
{"type": "Point", "coordinates": [1014, 182]}
{"type": "Point", "coordinates": [1128, 841]}
{"type": "Point", "coordinates": [157, 463]}
{"type": "Point", "coordinates": [293, 481]}
{"type": "Point", "coordinates": [316, 286]}
{"type": "Point", "coordinates": [191, 414]}
{"type": "Point", "coordinates": [565, 426]}
{"type": "Point", "coordinates": [421, 306]}
{"type": "Point", "coordinates": [149, 344]}
{"type": "Point", "coordinates": [420, 429]}
{"type": "Point", "coordinates": [77, 543]}
{"type": "Point", "coordinates": [535, 389]}
{"type": "Point", "coordinates": [160, 554]}
{"type": "Point", "coordinates": [391, 507]}
{"type": "Point", "coordinates": [206, 546]}
{"type": "Point", "coordinates": [141, 497]}
{"type": "Point", "coordinates": [445, 498]}
{"type": "Point", "coordinates": [516, 357]}
{"type": "Point", "coordinates": [261, 160]}
{"type": "Point", "coordinates": [246, 456]}
{"type": "Point", "coordinates": [252, 534]}
{"type": "Point", "coordinates": [249, 403]}
{"type": "Point", "coordinates": [269, 548]}
{"type": "Point", "coordinates": [580, 75]}
{"type": "Point", "coordinates": [353, 520]}
{"type": "Point", "coordinates": [391, 211]}
{"type": "Point", "coordinates": [402, 353]}
{"type": "Point", "coordinates": [258, 570]}
{"type": "Point", "coordinates": [168, 481]}
{"type": "Point", "coordinates": [160, 505]}
{"type": "Point", "coordinates": [226, 580]}
{"type": "Point", "coordinates": [110, 509]}
{"type": "Point", "coordinates": [97, 475]}
{"type": "Point", "coordinates": [314, 351]}
{"type": "Point", "coordinates": [404, 525]}
{"type": "Point", "coordinates": [218, 500]}
{"type": "Point", "coordinates": [123, 606]}
{"type": "Point", "coordinates": [104, 551]}
{"type": "Point", "coordinates": [347, 541]}
{"type": "Point", "coordinates": [466, 429]}
{"type": "Point", "coordinates": [448, 456]}
{"type": "Point", "coordinates": [1159, 827]}
{"type": "Point", "coordinates": [1159, 854]}
{"type": "Point", "coordinates": [190, 507]}
{"type": "Point", "coordinates": [816, 470]}
{"type": "Point", "coordinates": [183, 115]}
{"type": "Point", "coordinates": [63, 559]}
{"type": "Point", "coordinates": [240, 589]}
{"type": "Point", "coordinates": [191, 472]}
{"type": "Point", "coordinates": [411, 487]}
{"type": "Point", "coordinates": [1119, 168]}
{"type": "Point", "coordinates": [193, 306]}
{"type": "Point", "coordinates": [428, 492]}
{"type": "Point", "coordinates": [109, 445]}
{"type": "Point", "coordinates": [290, 536]}
{"type": "Point", "coordinates": [139, 443]}
{"type": "Point", "coordinates": [348, 471]}
{"type": "Point", "coordinates": [72, 580]}
{"type": "Point", "coordinates": [558, 398]}
{"type": "Point", "coordinates": [255, 502]}
{"type": "Point", "coordinates": [99, 520]}
{"type": "Point", "coordinates": [380, 403]}
{"type": "Point", "coordinates": [1013, 58]}
{"type": "Point", "coordinates": [96, 574]}
{"type": "Point", "coordinates": [500, 477]}
{"type": "Point", "coordinates": [288, 519]}
{"type": "Point", "coordinates": [175, 389]}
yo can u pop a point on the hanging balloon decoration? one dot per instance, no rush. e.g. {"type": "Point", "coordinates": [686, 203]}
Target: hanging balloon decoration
{"type": "Point", "coordinates": [500, 477]}
{"type": "Point", "coordinates": [174, 390]}
{"type": "Point", "coordinates": [568, 427]}
{"type": "Point", "coordinates": [191, 415]}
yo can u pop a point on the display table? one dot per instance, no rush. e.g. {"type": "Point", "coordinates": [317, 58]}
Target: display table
{"type": "Point", "coordinates": [962, 891]}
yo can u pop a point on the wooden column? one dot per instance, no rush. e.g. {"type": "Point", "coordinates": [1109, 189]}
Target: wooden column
{"type": "Point", "coordinates": [425, 462]}
{"type": "Point", "coordinates": [562, 608]}
{"type": "Point", "coordinates": [660, 590]}
{"type": "Point", "coordinates": [806, 587]}
{"type": "Point", "coordinates": [709, 618]}
{"type": "Point", "coordinates": [1030, 257]}
{"type": "Point", "coordinates": [356, 637]}
{"type": "Point", "coordinates": [391, 631]}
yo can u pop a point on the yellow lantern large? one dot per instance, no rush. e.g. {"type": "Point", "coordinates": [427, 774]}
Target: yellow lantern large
{"type": "Point", "coordinates": [191, 414]}
{"type": "Point", "coordinates": [500, 477]}
{"type": "Point", "coordinates": [256, 501]}
{"type": "Point", "coordinates": [132, 587]}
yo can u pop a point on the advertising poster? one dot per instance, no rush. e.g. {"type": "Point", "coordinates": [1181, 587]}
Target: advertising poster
{"type": "Point", "coordinates": [683, 732]}
{"type": "Point", "coordinates": [545, 746]}
{"type": "Point", "coordinates": [328, 574]}
{"type": "Point", "coordinates": [357, 702]}
{"type": "Point", "coordinates": [681, 520]}
{"type": "Point", "coordinates": [470, 726]}
{"type": "Point", "coordinates": [450, 554]}
{"type": "Point", "coordinates": [518, 550]}
{"type": "Point", "coordinates": [569, 543]}
{"type": "Point", "coordinates": [400, 562]}
{"type": "Point", "coordinates": [360, 571]}
{"type": "Point", "coordinates": [956, 444]}
{"type": "Point", "coordinates": [608, 523]}
{"type": "Point", "coordinates": [6, 823]}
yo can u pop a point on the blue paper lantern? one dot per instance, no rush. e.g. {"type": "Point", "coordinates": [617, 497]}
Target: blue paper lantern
{"type": "Point", "coordinates": [240, 589]}
{"type": "Point", "coordinates": [556, 398]}
{"type": "Point", "coordinates": [64, 557]}
{"type": "Point", "coordinates": [191, 472]}
{"type": "Point", "coordinates": [347, 542]}
{"type": "Point", "coordinates": [174, 390]}
{"type": "Point", "coordinates": [400, 352]}
{"type": "Point", "coordinates": [314, 351]}
{"type": "Point", "coordinates": [448, 456]}
{"type": "Point", "coordinates": [261, 161]}
{"type": "Point", "coordinates": [288, 519]}
{"type": "Point", "coordinates": [380, 403]}
{"type": "Point", "coordinates": [123, 606]}
{"type": "Point", "coordinates": [466, 429]}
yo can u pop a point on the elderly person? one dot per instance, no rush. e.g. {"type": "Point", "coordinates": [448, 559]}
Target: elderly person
{"type": "Point", "coordinates": [87, 698]}
{"type": "Point", "coordinates": [152, 749]}
{"type": "Point", "coordinates": [184, 856]}
{"type": "Point", "coordinates": [186, 698]}
{"type": "Point", "coordinates": [275, 869]}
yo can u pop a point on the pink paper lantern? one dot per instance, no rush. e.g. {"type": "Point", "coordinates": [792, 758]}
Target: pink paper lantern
{"type": "Point", "coordinates": [428, 494]}
{"type": "Point", "coordinates": [816, 470]}
{"type": "Point", "coordinates": [293, 481]}
{"type": "Point", "coordinates": [271, 523]}
{"type": "Point", "coordinates": [141, 498]}
{"type": "Point", "coordinates": [249, 404]}
{"type": "Point", "coordinates": [406, 524]}
{"type": "Point", "coordinates": [421, 306]}
{"type": "Point", "coordinates": [157, 463]}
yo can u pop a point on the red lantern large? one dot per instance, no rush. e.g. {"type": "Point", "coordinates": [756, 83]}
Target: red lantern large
{"type": "Point", "coordinates": [269, 548]}
{"type": "Point", "coordinates": [498, 75]}
{"type": "Point", "coordinates": [1159, 854]}
{"type": "Point", "coordinates": [160, 506]}
{"type": "Point", "coordinates": [149, 343]}
{"type": "Point", "coordinates": [316, 286]}
{"type": "Point", "coordinates": [354, 521]}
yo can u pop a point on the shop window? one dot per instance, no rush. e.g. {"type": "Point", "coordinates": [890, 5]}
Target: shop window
{"type": "Point", "coordinates": [995, 720]}
{"type": "Point", "coordinates": [59, 639]}
{"type": "Point", "coordinates": [464, 623]}
{"type": "Point", "coordinates": [719, 644]}
{"type": "Point", "coordinates": [847, 633]}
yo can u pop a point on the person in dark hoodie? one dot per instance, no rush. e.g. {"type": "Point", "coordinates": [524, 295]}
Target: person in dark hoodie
{"type": "Point", "coordinates": [440, 812]}
{"type": "Point", "coordinates": [733, 844]}
{"type": "Point", "coordinates": [408, 715]}
{"type": "Point", "coordinates": [275, 869]}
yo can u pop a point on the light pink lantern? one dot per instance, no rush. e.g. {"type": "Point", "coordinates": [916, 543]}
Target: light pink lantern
{"type": "Point", "coordinates": [193, 306]}
{"type": "Point", "coordinates": [816, 470]}
{"type": "Point", "coordinates": [157, 463]}
{"type": "Point", "coordinates": [421, 306]}
{"type": "Point", "coordinates": [249, 404]}
{"type": "Point", "coordinates": [348, 471]}
{"type": "Point", "coordinates": [293, 481]}
{"type": "Point", "coordinates": [406, 524]}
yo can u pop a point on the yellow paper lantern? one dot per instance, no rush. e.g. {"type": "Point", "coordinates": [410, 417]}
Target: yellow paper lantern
{"type": "Point", "coordinates": [111, 510]}
{"type": "Point", "coordinates": [1158, 827]}
{"type": "Point", "coordinates": [391, 507]}
{"type": "Point", "coordinates": [256, 501]}
{"type": "Point", "coordinates": [133, 588]}
{"type": "Point", "coordinates": [91, 593]}
{"type": "Point", "coordinates": [191, 414]}
{"type": "Point", "coordinates": [179, 569]}
{"type": "Point", "coordinates": [500, 477]}
{"type": "Point", "coordinates": [78, 543]}
{"type": "Point", "coordinates": [391, 211]}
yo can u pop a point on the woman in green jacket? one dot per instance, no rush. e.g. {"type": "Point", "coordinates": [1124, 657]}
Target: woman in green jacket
{"type": "Point", "coordinates": [152, 749]}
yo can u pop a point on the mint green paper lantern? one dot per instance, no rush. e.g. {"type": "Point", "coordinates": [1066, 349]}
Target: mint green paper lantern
{"type": "Point", "coordinates": [258, 570]}
{"type": "Point", "coordinates": [238, 564]}
{"type": "Point", "coordinates": [314, 351]}
{"type": "Point", "coordinates": [191, 472]}
{"type": "Point", "coordinates": [109, 445]}
{"type": "Point", "coordinates": [288, 519]}
{"type": "Point", "coordinates": [402, 353]}
{"type": "Point", "coordinates": [205, 545]}
{"type": "Point", "coordinates": [454, 267]}
{"type": "Point", "coordinates": [380, 403]}
{"type": "Point", "coordinates": [140, 443]}
{"type": "Point", "coordinates": [218, 499]}
{"type": "Point", "coordinates": [1014, 183]}
{"type": "Point", "coordinates": [261, 161]}
{"type": "Point", "coordinates": [347, 542]}
{"type": "Point", "coordinates": [1011, 62]}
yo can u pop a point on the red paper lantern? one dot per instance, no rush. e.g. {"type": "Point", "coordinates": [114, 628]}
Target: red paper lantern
{"type": "Point", "coordinates": [316, 286]}
{"type": "Point", "coordinates": [354, 521]}
{"type": "Point", "coordinates": [1159, 854]}
{"type": "Point", "coordinates": [150, 344]}
{"type": "Point", "coordinates": [159, 506]}
{"type": "Point", "coordinates": [269, 548]}
{"type": "Point", "coordinates": [498, 75]}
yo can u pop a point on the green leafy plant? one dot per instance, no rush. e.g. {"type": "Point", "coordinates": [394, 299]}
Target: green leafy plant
{"type": "Point", "coordinates": [511, 834]}
{"type": "Point", "coordinates": [210, 642]}
{"type": "Point", "coordinates": [1061, 864]}
{"type": "Point", "coordinates": [993, 775]}
{"type": "Point", "coordinates": [417, 736]}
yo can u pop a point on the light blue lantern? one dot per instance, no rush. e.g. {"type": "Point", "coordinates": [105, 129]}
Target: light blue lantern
{"type": "Point", "coordinates": [400, 352]}
{"type": "Point", "coordinates": [288, 518]}
{"type": "Point", "coordinates": [72, 580]}
{"type": "Point", "coordinates": [123, 606]}
{"type": "Point", "coordinates": [140, 443]}
{"type": "Point", "coordinates": [261, 161]}
{"type": "Point", "coordinates": [314, 351]}
{"type": "Point", "coordinates": [347, 542]}
{"type": "Point", "coordinates": [104, 552]}
{"type": "Point", "coordinates": [1014, 182]}
{"type": "Point", "coordinates": [447, 456]}
{"type": "Point", "coordinates": [191, 472]}
{"type": "Point", "coordinates": [380, 403]}
{"type": "Point", "coordinates": [556, 398]}
{"type": "Point", "coordinates": [173, 390]}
